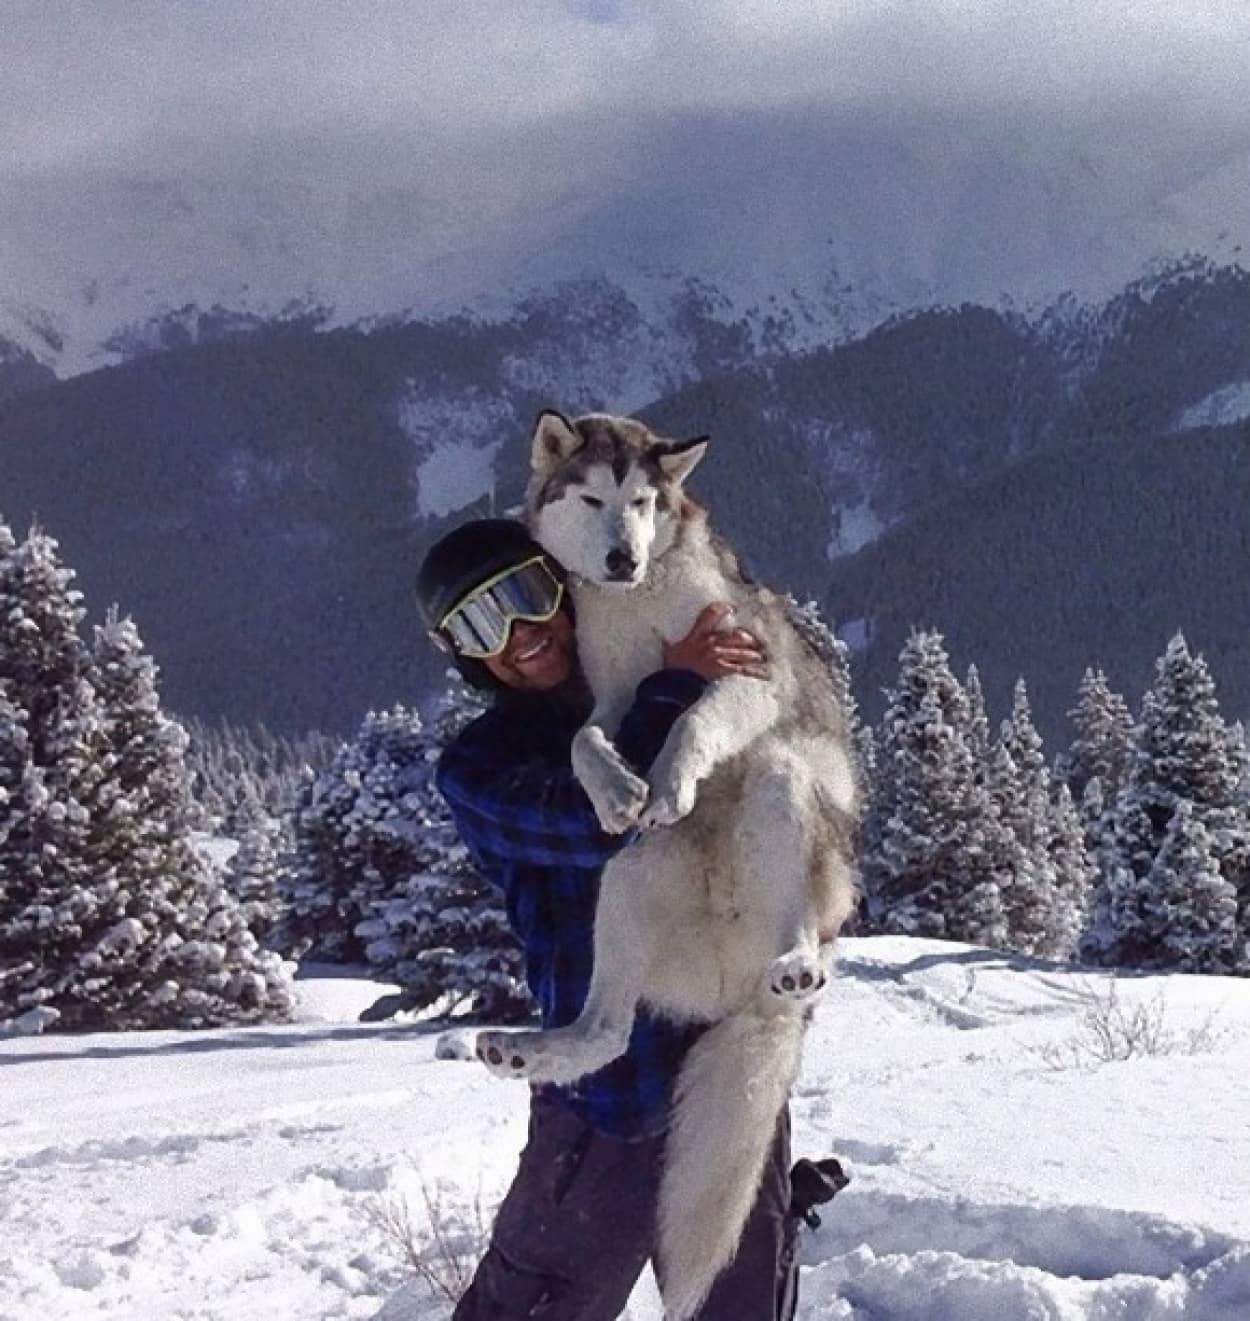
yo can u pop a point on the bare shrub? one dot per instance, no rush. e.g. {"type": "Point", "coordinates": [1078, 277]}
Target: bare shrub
{"type": "Point", "coordinates": [1113, 1028]}
{"type": "Point", "coordinates": [438, 1242]}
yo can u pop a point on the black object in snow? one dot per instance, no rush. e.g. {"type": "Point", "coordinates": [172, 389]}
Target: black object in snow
{"type": "Point", "coordinates": [813, 1182]}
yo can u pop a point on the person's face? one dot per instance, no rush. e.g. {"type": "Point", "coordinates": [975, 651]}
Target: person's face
{"type": "Point", "coordinates": [538, 657]}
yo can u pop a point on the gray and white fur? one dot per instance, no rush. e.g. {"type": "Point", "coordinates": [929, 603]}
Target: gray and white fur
{"type": "Point", "coordinates": [724, 909]}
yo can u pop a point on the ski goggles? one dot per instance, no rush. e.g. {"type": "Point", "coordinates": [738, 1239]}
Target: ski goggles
{"type": "Point", "coordinates": [479, 625]}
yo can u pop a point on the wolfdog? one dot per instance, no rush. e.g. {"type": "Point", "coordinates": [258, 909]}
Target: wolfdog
{"type": "Point", "coordinates": [724, 907]}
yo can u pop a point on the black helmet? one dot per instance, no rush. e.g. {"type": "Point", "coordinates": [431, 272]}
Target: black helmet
{"type": "Point", "coordinates": [461, 561]}
{"type": "Point", "coordinates": [467, 556]}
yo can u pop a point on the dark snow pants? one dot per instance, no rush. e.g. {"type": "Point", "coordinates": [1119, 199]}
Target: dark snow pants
{"type": "Point", "coordinates": [578, 1225]}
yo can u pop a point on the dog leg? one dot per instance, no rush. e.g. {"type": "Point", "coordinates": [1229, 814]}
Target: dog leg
{"type": "Point", "coordinates": [615, 792]}
{"type": "Point", "coordinates": [601, 1032]}
{"type": "Point", "coordinates": [777, 836]}
{"type": "Point", "coordinates": [557, 1055]}
{"type": "Point", "coordinates": [726, 719]}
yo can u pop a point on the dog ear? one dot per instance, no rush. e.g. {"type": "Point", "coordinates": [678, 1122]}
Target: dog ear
{"type": "Point", "coordinates": [554, 440]}
{"type": "Point", "coordinates": [679, 458]}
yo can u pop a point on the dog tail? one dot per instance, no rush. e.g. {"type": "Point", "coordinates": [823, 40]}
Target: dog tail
{"type": "Point", "coordinates": [729, 1095]}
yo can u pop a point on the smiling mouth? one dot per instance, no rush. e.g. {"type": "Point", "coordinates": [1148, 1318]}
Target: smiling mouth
{"type": "Point", "coordinates": [534, 649]}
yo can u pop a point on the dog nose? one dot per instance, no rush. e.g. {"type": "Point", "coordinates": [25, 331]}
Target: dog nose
{"type": "Point", "coordinates": [621, 564]}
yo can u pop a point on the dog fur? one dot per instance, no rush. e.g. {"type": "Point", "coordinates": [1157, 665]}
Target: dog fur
{"type": "Point", "coordinates": [724, 908]}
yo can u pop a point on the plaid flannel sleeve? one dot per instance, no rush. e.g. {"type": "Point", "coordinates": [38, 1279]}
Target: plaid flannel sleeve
{"type": "Point", "coordinates": [661, 698]}
{"type": "Point", "coordinates": [524, 811]}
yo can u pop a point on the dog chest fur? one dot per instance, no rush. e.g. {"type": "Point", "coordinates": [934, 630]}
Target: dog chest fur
{"type": "Point", "coordinates": [621, 632]}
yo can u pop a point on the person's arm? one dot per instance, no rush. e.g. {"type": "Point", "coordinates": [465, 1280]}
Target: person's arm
{"type": "Point", "coordinates": [523, 810]}
{"type": "Point", "coordinates": [659, 700]}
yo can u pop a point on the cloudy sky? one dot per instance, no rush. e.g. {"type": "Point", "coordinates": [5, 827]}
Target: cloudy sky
{"type": "Point", "coordinates": [381, 154]}
{"type": "Point", "coordinates": [113, 81]}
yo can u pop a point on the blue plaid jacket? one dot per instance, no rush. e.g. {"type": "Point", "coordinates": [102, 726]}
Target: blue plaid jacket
{"type": "Point", "coordinates": [508, 779]}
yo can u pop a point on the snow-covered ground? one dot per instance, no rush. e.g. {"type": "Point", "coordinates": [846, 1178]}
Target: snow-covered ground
{"type": "Point", "coordinates": [240, 1174]}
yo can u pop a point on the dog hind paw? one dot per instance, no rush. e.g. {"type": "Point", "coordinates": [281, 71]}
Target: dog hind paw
{"type": "Point", "coordinates": [506, 1054]}
{"type": "Point", "coordinates": [797, 976]}
{"type": "Point", "coordinates": [559, 1055]}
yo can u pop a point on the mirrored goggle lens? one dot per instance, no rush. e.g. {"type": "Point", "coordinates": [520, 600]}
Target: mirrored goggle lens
{"type": "Point", "coordinates": [479, 626]}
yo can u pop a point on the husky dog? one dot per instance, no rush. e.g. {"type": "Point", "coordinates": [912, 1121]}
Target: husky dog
{"type": "Point", "coordinates": [726, 914]}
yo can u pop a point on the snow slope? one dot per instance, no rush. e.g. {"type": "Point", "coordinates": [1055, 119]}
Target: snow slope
{"type": "Point", "coordinates": [231, 1174]}
{"type": "Point", "coordinates": [1221, 408]}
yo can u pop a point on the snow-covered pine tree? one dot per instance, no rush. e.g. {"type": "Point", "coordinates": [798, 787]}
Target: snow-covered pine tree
{"type": "Point", "coordinates": [191, 960]}
{"type": "Point", "coordinates": [1004, 787]}
{"type": "Point", "coordinates": [443, 935]}
{"type": "Point", "coordinates": [1189, 904]}
{"type": "Point", "coordinates": [54, 897]}
{"type": "Point", "coordinates": [1117, 933]}
{"type": "Point", "coordinates": [1023, 793]}
{"type": "Point", "coordinates": [232, 763]}
{"type": "Point", "coordinates": [982, 857]}
{"type": "Point", "coordinates": [1020, 737]}
{"type": "Point", "coordinates": [1104, 736]}
{"type": "Point", "coordinates": [1094, 768]}
{"type": "Point", "coordinates": [1074, 872]}
{"type": "Point", "coordinates": [1234, 842]}
{"type": "Point", "coordinates": [1182, 738]}
{"type": "Point", "coordinates": [1240, 751]}
{"type": "Point", "coordinates": [255, 868]}
{"type": "Point", "coordinates": [355, 841]}
{"type": "Point", "coordinates": [98, 920]}
{"type": "Point", "coordinates": [458, 706]}
{"type": "Point", "coordinates": [978, 721]}
{"type": "Point", "coordinates": [26, 903]}
{"type": "Point", "coordinates": [934, 861]}
{"type": "Point", "coordinates": [1182, 752]}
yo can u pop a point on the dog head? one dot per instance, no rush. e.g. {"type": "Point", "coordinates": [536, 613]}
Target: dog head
{"type": "Point", "coordinates": [605, 495]}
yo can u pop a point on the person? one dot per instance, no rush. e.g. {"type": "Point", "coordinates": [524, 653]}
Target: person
{"type": "Point", "coordinates": [577, 1225]}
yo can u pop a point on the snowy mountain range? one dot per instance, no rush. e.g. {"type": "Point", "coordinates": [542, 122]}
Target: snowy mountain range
{"type": "Point", "coordinates": [246, 392]}
{"type": "Point", "coordinates": [259, 499]}
{"type": "Point", "coordinates": [813, 225]}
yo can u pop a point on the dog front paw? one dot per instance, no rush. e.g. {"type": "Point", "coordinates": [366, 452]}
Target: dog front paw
{"type": "Point", "coordinates": [615, 792]}
{"type": "Point", "coordinates": [618, 797]}
{"type": "Point", "coordinates": [669, 803]}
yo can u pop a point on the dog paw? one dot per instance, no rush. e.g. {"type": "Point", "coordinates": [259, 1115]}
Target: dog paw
{"type": "Point", "coordinates": [796, 976]}
{"type": "Point", "coordinates": [615, 792]}
{"type": "Point", "coordinates": [668, 803]}
{"type": "Point", "coordinates": [554, 1056]}
{"type": "Point", "coordinates": [506, 1054]}
{"type": "Point", "coordinates": [618, 798]}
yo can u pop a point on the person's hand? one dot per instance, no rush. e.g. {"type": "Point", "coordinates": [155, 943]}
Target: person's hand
{"type": "Point", "coordinates": [715, 653]}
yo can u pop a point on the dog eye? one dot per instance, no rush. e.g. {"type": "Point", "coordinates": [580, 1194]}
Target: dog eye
{"type": "Point", "coordinates": [641, 502]}
{"type": "Point", "coordinates": [593, 501]}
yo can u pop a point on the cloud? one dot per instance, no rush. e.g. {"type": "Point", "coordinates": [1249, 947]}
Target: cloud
{"type": "Point", "coordinates": [106, 82]}
{"type": "Point", "coordinates": [90, 82]}
{"type": "Point", "coordinates": [432, 148]}
{"type": "Point", "coordinates": [1064, 57]}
